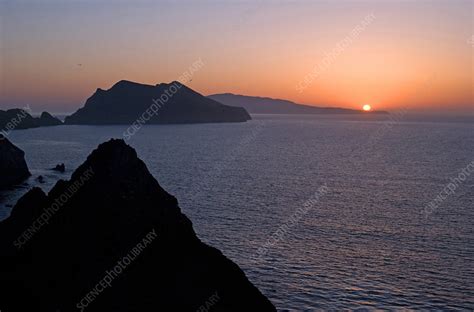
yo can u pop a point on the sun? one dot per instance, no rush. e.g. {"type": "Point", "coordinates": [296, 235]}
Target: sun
{"type": "Point", "coordinates": [367, 107]}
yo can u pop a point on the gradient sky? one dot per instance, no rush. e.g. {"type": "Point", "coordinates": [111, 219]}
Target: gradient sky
{"type": "Point", "coordinates": [414, 55]}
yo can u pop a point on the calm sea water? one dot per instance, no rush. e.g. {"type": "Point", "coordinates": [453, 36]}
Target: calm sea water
{"type": "Point", "coordinates": [365, 244]}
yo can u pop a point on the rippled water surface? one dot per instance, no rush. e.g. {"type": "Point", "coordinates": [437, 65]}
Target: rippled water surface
{"type": "Point", "coordinates": [364, 244]}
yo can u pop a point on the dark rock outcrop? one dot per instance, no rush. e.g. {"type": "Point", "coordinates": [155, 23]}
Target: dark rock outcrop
{"type": "Point", "coordinates": [46, 120]}
{"type": "Point", "coordinates": [265, 105]}
{"type": "Point", "coordinates": [126, 102]}
{"type": "Point", "coordinates": [59, 167]}
{"type": "Point", "coordinates": [111, 204]}
{"type": "Point", "coordinates": [17, 119]}
{"type": "Point", "coordinates": [13, 168]}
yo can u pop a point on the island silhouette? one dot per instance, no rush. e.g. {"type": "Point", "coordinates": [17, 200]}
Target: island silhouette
{"type": "Point", "coordinates": [164, 103]}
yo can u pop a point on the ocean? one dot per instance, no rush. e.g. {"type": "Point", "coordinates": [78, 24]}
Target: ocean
{"type": "Point", "coordinates": [378, 237]}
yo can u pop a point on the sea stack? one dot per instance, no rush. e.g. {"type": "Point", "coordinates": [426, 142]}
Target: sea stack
{"type": "Point", "coordinates": [111, 239]}
{"type": "Point", "coordinates": [128, 102]}
{"type": "Point", "coordinates": [13, 167]}
{"type": "Point", "coordinates": [46, 120]}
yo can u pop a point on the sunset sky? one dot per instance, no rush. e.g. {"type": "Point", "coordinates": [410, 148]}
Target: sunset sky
{"type": "Point", "coordinates": [411, 54]}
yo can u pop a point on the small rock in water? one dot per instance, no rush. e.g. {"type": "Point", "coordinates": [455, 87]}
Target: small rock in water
{"type": "Point", "coordinates": [40, 179]}
{"type": "Point", "coordinates": [60, 168]}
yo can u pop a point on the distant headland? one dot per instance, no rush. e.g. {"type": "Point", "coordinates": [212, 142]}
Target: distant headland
{"type": "Point", "coordinates": [18, 118]}
{"type": "Point", "coordinates": [265, 105]}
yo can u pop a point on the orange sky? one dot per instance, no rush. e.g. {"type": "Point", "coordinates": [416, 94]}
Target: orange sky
{"type": "Point", "coordinates": [410, 54]}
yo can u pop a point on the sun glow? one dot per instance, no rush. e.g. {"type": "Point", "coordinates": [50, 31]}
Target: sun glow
{"type": "Point", "coordinates": [367, 107]}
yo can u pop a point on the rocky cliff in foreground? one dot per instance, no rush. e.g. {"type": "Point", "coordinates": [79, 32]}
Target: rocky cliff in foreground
{"type": "Point", "coordinates": [13, 168]}
{"type": "Point", "coordinates": [126, 102]}
{"type": "Point", "coordinates": [111, 239]}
